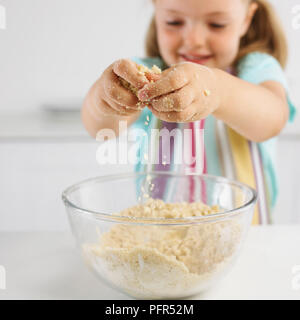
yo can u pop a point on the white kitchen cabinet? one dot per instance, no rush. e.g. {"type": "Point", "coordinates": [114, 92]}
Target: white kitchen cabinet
{"type": "Point", "coordinates": [33, 176]}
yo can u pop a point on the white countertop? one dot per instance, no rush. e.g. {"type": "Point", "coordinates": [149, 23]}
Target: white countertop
{"type": "Point", "coordinates": [47, 265]}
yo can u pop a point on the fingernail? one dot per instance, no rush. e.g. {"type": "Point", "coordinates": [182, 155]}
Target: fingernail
{"type": "Point", "coordinates": [143, 95]}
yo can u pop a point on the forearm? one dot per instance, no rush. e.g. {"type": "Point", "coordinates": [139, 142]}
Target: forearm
{"type": "Point", "coordinates": [94, 120]}
{"type": "Point", "coordinates": [252, 110]}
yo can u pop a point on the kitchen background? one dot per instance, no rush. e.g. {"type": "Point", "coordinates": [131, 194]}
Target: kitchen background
{"type": "Point", "coordinates": [51, 51]}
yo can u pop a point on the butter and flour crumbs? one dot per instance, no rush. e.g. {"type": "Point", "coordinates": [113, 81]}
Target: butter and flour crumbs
{"type": "Point", "coordinates": [164, 261]}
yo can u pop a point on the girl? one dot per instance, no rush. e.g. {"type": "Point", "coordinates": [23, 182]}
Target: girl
{"type": "Point", "coordinates": [222, 62]}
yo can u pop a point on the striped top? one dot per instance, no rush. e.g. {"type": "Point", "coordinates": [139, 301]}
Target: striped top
{"type": "Point", "coordinates": [210, 146]}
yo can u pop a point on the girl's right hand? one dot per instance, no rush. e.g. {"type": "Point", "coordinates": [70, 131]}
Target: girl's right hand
{"type": "Point", "coordinates": [115, 99]}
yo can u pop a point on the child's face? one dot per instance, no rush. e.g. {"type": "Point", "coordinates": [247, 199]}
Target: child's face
{"type": "Point", "coordinates": [207, 32]}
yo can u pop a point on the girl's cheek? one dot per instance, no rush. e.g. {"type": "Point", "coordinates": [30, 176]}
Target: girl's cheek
{"type": "Point", "coordinates": [224, 50]}
{"type": "Point", "coordinates": [168, 39]}
{"type": "Point", "coordinates": [168, 35]}
{"type": "Point", "coordinates": [224, 43]}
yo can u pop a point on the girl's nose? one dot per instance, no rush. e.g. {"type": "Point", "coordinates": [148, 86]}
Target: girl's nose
{"type": "Point", "coordinates": [195, 36]}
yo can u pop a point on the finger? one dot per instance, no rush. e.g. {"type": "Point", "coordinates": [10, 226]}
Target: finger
{"type": "Point", "coordinates": [125, 110]}
{"type": "Point", "coordinates": [176, 101]}
{"type": "Point", "coordinates": [152, 77]}
{"type": "Point", "coordinates": [117, 92]}
{"type": "Point", "coordinates": [107, 110]}
{"type": "Point", "coordinates": [115, 108]}
{"type": "Point", "coordinates": [187, 115]}
{"type": "Point", "coordinates": [128, 70]}
{"type": "Point", "coordinates": [170, 81]}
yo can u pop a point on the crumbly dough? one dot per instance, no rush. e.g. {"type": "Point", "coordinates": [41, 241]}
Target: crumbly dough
{"type": "Point", "coordinates": [156, 262]}
{"type": "Point", "coordinates": [142, 70]}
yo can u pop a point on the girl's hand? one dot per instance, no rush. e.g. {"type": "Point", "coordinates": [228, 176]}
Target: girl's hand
{"type": "Point", "coordinates": [185, 92]}
{"type": "Point", "coordinates": [114, 98]}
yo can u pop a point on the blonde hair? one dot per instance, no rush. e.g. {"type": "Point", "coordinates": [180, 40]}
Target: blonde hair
{"type": "Point", "coordinates": [265, 34]}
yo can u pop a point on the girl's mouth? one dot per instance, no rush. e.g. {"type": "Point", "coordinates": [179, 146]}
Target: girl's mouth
{"type": "Point", "coordinates": [196, 59]}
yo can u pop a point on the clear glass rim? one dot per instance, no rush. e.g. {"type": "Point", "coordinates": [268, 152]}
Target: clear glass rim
{"type": "Point", "coordinates": [160, 221]}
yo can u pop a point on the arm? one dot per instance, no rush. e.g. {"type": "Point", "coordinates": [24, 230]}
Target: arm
{"type": "Point", "coordinates": [190, 92]}
{"type": "Point", "coordinates": [258, 112]}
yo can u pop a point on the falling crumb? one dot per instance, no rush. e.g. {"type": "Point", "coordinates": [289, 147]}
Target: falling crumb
{"type": "Point", "coordinates": [152, 187]}
{"type": "Point", "coordinates": [206, 93]}
{"type": "Point", "coordinates": [147, 118]}
{"type": "Point", "coordinates": [164, 163]}
{"type": "Point", "coordinates": [145, 156]}
{"type": "Point", "coordinates": [146, 123]}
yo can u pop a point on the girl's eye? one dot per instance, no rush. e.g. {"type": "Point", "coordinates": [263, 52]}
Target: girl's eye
{"type": "Point", "coordinates": [174, 23]}
{"type": "Point", "coordinates": [217, 25]}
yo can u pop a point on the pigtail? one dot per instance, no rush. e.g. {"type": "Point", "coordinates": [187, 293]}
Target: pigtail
{"type": "Point", "coordinates": [265, 34]}
{"type": "Point", "coordinates": [151, 43]}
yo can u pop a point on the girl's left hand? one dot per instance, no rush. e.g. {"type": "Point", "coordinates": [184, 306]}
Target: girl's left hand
{"type": "Point", "coordinates": [185, 92]}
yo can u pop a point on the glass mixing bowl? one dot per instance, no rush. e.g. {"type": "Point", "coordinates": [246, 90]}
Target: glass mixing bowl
{"type": "Point", "coordinates": [155, 257]}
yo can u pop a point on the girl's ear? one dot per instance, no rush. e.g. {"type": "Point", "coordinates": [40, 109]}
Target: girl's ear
{"type": "Point", "coordinates": [248, 19]}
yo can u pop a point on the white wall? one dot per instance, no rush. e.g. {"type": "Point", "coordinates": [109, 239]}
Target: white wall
{"type": "Point", "coordinates": [52, 50]}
